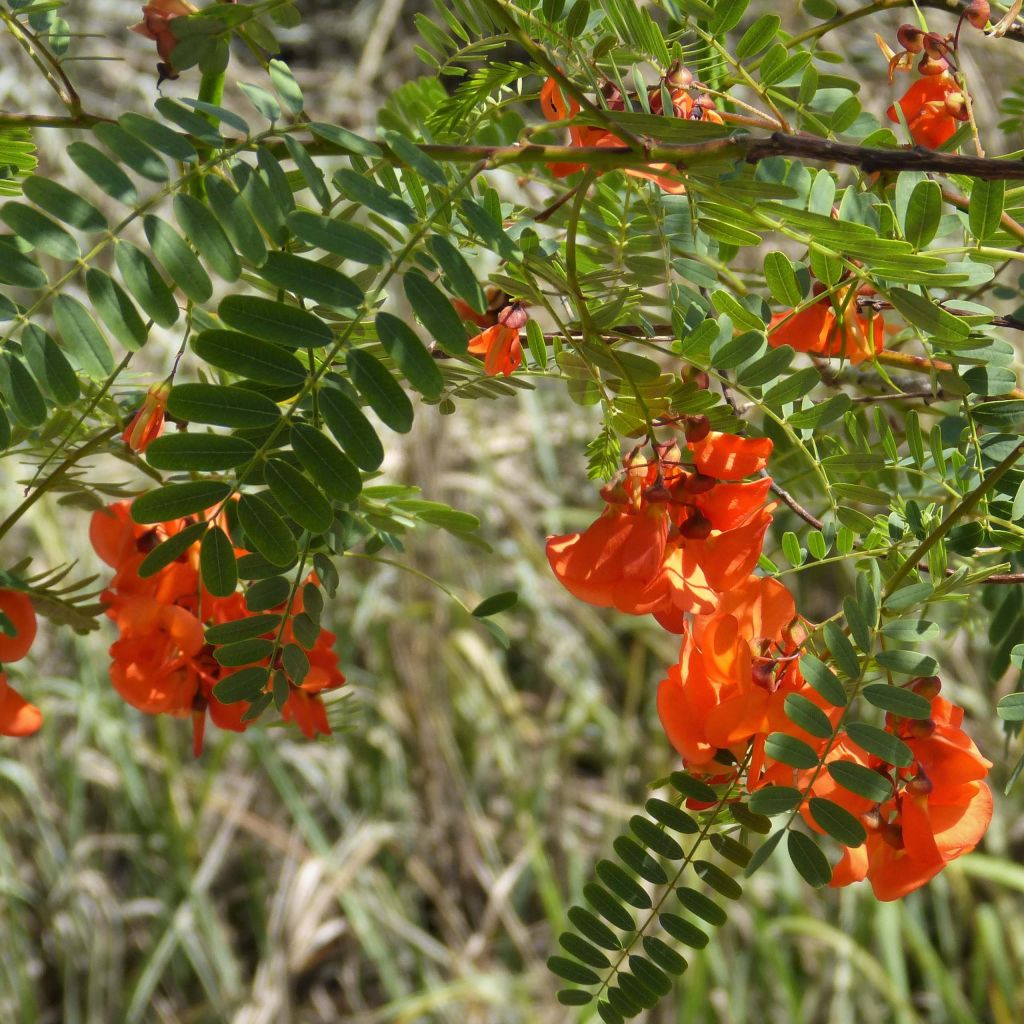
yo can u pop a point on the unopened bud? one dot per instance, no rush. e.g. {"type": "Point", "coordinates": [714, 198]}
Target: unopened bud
{"type": "Point", "coordinates": [697, 428]}
{"type": "Point", "coordinates": [513, 316]}
{"type": "Point", "coordinates": [678, 76]}
{"type": "Point", "coordinates": [698, 483]}
{"type": "Point", "coordinates": [927, 686]}
{"type": "Point", "coordinates": [977, 13]}
{"type": "Point", "coordinates": [935, 46]}
{"type": "Point", "coordinates": [697, 527]}
{"type": "Point", "coordinates": [910, 38]}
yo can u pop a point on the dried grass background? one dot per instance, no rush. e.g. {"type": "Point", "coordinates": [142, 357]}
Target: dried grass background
{"type": "Point", "coordinates": [417, 866]}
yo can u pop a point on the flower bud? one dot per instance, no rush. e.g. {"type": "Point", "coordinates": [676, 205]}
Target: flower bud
{"type": "Point", "coordinates": [935, 46]}
{"type": "Point", "coordinates": [977, 13]}
{"type": "Point", "coordinates": [926, 686]}
{"type": "Point", "coordinates": [513, 316]}
{"type": "Point", "coordinates": [148, 423]}
{"type": "Point", "coordinates": [697, 428]}
{"type": "Point", "coordinates": [920, 729]}
{"type": "Point", "coordinates": [697, 527]}
{"type": "Point", "coordinates": [910, 38]}
{"type": "Point", "coordinates": [678, 76]}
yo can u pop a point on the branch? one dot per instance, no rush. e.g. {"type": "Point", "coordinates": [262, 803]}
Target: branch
{"type": "Point", "coordinates": [969, 503]}
{"type": "Point", "coordinates": [82, 120]}
{"type": "Point", "coordinates": [747, 148]}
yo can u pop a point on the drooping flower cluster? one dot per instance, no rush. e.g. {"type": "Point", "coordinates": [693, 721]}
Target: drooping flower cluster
{"type": "Point", "coordinates": [162, 662]}
{"type": "Point", "coordinates": [935, 104]}
{"type": "Point", "coordinates": [679, 539]}
{"type": "Point", "coordinates": [677, 83]}
{"type": "Point", "coordinates": [17, 716]}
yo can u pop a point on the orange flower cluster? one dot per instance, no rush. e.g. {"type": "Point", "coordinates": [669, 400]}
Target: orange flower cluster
{"type": "Point", "coordinates": [938, 808]}
{"type": "Point", "coordinates": [820, 330]}
{"type": "Point", "coordinates": [680, 540]}
{"type": "Point", "coordinates": [162, 664]}
{"type": "Point", "coordinates": [556, 108]}
{"type": "Point", "coordinates": [17, 716]}
{"type": "Point", "coordinates": [673, 535]}
{"type": "Point", "coordinates": [934, 104]}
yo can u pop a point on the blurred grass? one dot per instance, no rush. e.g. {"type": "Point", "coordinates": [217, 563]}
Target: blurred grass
{"type": "Point", "coordinates": [418, 866]}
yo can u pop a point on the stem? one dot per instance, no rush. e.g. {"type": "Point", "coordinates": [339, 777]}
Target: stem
{"type": "Point", "coordinates": [751, 149]}
{"type": "Point", "coordinates": [74, 457]}
{"type": "Point", "coordinates": [673, 881]}
{"type": "Point", "coordinates": [970, 502]}
{"type": "Point", "coordinates": [47, 64]}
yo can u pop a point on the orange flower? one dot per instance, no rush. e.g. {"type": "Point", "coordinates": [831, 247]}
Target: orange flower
{"type": "Point", "coordinates": [931, 107]}
{"type": "Point", "coordinates": [17, 716]}
{"type": "Point", "coordinates": [670, 540]}
{"type": "Point", "coordinates": [736, 667]}
{"type": "Point", "coordinates": [148, 422]}
{"type": "Point", "coordinates": [157, 16]}
{"type": "Point", "coordinates": [614, 562]}
{"type": "Point", "coordinates": [500, 345]}
{"type": "Point", "coordinates": [818, 329]}
{"type": "Point", "coordinates": [912, 837]}
{"type": "Point", "coordinates": [16, 606]}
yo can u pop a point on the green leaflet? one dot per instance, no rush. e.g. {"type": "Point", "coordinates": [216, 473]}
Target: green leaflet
{"type": "Point", "coordinates": [383, 393]}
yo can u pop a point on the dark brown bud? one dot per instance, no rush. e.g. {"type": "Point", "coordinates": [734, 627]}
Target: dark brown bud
{"type": "Point", "coordinates": [698, 483]}
{"type": "Point", "coordinates": [920, 728]}
{"type": "Point", "coordinates": [892, 834]}
{"type": "Point", "coordinates": [696, 527]}
{"type": "Point", "coordinates": [697, 428]}
{"type": "Point", "coordinates": [910, 38]}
